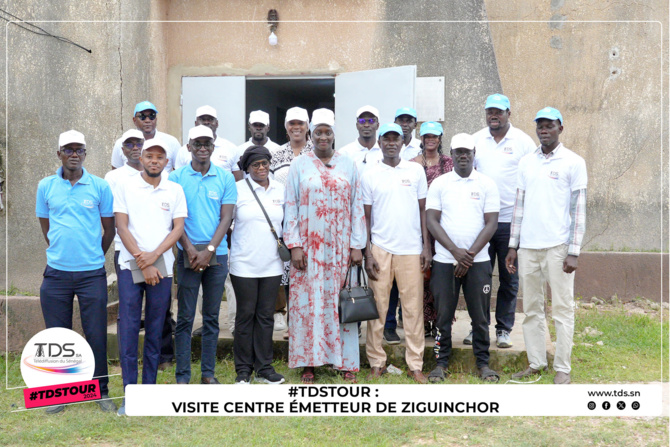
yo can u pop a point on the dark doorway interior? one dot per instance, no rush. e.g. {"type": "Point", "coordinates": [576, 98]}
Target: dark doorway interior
{"type": "Point", "coordinates": [275, 96]}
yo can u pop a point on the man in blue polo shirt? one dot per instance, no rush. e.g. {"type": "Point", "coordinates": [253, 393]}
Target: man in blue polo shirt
{"type": "Point", "coordinates": [70, 206]}
{"type": "Point", "coordinates": [211, 195]}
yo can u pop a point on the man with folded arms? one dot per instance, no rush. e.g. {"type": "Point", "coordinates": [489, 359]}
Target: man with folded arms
{"type": "Point", "coordinates": [150, 212]}
{"type": "Point", "coordinates": [71, 205]}
{"type": "Point", "coordinates": [462, 215]}
{"type": "Point", "coordinates": [394, 196]}
{"type": "Point", "coordinates": [547, 229]}
{"type": "Point", "coordinates": [211, 195]}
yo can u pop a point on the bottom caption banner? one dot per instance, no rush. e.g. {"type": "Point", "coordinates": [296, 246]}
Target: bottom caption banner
{"type": "Point", "coordinates": [394, 400]}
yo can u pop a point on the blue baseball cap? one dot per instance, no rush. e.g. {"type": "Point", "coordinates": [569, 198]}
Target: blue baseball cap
{"type": "Point", "coordinates": [144, 105]}
{"type": "Point", "coordinates": [405, 111]}
{"type": "Point", "coordinates": [430, 127]}
{"type": "Point", "coordinates": [497, 101]}
{"type": "Point", "coordinates": [390, 127]}
{"type": "Point", "coordinates": [549, 113]}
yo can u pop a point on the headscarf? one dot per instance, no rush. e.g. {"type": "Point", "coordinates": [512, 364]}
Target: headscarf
{"type": "Point", "coordinates": [252, 154]}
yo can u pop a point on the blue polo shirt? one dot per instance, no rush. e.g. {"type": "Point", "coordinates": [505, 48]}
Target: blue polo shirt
{"type": "Point", "coordinates": [204, 197]}
{"type": "Point", "coordinates": [74, 212]}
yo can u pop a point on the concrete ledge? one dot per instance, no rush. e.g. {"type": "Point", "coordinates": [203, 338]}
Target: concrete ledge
{"type": "Point", "coordinates": [627, 275]}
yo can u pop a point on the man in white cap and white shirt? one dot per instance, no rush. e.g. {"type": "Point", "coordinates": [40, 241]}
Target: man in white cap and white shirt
{"type": "Point", "coordinates": [225, 153]}
{"type": "Point", "coordinates": [406, 117]}
{"type": "Point", "coordinates": [364, 150]}
{"type": "Point", "coordinates": [150, 212]}
{"type": "Point", "coordinates": [259, 126]}
{"type": "Point", "coordinates": [500, 147]}
{"type": "Point", "coordinates": [145, 118]}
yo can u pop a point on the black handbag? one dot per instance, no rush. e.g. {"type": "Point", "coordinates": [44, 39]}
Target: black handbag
{"type": "Point", "coordinates": [357, 303]}
{"type": "Point", "coordinates": [282, 249]}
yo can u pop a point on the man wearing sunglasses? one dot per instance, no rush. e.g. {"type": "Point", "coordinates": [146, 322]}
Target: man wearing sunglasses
{"type": "Point", "coordinates": [364, 150]}
{"type": "Point", "coordinates": [71, 205]}
{"type": "Point", "coordinates": [202, 260]}
{"type": "Point", "coordinates": [145, 118]}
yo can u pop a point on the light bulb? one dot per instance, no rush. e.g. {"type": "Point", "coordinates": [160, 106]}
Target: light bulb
{"type": "Point", "coordinates": [272, 39]}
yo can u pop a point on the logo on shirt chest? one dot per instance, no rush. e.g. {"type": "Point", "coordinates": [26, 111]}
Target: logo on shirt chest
{"type": "Point", "coordinates": [553, 175]}
{"type": "Point", "coordinates": [508, 150]}
{"type": "Point", "coordinates": [406, 182]}
{"type": "Point", "coordinates": [87, 203]}
{"type": "Point", "coordinates": [165, 206]}
{"type": "Point", "coordinates": [278, 202]}
{"type": "Point", "coordinates": [474, 195]}
{"type": "Point", "coordinates": [213, 195]}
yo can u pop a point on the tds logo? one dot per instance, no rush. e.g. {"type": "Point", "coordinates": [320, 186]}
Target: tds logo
{"type": "Point", "coordinates": [165, 206]}
{"type": "Point", "coordinates": [508, 150]}
{"type": "Point", "coordinates": [55, 350]}
{"type": "Point", "coordinates": [553, 175]}
{"type": "Point", "coordinates": [474, 195]}
{"type": "Point", "coordinates": [405, 182]}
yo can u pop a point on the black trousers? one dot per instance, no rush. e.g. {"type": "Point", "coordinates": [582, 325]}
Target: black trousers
{"type": "Point", "coordinates": [254, 323]}
{"type": "Point", "coordinates": [476, 286]}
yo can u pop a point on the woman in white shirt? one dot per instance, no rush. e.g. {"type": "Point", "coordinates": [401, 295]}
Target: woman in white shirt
{"type": "Point", "coordinates": [255, 267]}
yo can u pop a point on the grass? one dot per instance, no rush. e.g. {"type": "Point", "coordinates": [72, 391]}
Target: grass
{"type": "Point", "coordinates": [632, 341]}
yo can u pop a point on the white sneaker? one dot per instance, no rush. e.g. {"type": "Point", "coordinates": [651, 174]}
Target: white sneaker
{"type": "Point", "coordinates": [280, 322]}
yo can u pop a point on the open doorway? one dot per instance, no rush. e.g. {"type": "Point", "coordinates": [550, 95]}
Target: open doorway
{"type": "Point", "coordinates": [276, 95]}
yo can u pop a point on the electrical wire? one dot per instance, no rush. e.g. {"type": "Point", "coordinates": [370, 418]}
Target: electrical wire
{"type": "Point", "coordinates": [40, 32]}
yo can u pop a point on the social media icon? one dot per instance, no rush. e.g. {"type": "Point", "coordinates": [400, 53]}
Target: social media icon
{"type": "Point", "coordinates": [606, 405]}
{"type": "Point", "coordinates": [592, 405]}
{"type": "Point", "coordinates": [621, 405]}
{"type": "Point", "coordinates": [635, 405]}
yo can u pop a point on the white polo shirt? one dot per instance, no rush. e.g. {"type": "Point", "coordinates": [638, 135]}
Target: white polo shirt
{"type": "Point", "coordinates": [363, 156]}
{"type": "Point", "coordinates": [410, 151]}
{"type": "Point", "coordinates": [500, 162]}
{"type": "Point", "coordinates": [224, 155]}
{"type": "Point", "coordinates": [548, 183]}
{"type": "Point", "coordinates": [150, 213]}
{"type": "Point", "coordinates": [115, 178]}
{"type": "Point", "coordinates": [118, 159]}
{"type": "Point", "coordinates": [463, 203]}
{"type": "Point", "coordinates": [253, 253]}
{"type": "Point", "coordinates": [269, 145]}
{"type": "Point", "coordinates": [394, 194]}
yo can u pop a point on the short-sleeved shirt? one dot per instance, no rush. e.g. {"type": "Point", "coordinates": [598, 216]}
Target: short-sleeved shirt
{"type": "Point", "coordinates": [118, 159]}
{"type": "Point", "coordinates": [394, 193]}
{"type": "Point", "coordinates": [363, 156]}
{"type": "Point", "coordinates": [269, 145]}
{"type": "Point", "coordinates": [463, 203]}
{"type": "Point", "coordinates": [500, 162]}
{"type": "Point", "coordinates": [150, 214]}
{"type": "Point", "coordinates": [204, 197]}
{"type": "Point", "coordinates": [224, 156]}
{"type": "Point", "coordinates": [74, 212]}
{"type": "Point", "coordinates": [411, 150]}
{"type": "Point", "coordinates": [253, 252]}
{"type": "Point", "coordinates": [548, 184]}
{"type": "Point", "coordinates": [117, 177]}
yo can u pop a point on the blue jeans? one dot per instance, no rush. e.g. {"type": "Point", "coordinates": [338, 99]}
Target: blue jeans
{"type": "Point", "coordinates": [213, 280]}
{"type": "Point", "coordinates": [130, 315]}
{"type": "Point", "coordinates": [56, 297]}
{"type": "Point", "coordinates": [509, 284]}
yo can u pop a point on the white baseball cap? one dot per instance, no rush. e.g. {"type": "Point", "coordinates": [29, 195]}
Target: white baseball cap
{"type": "Point", "coordinates": [205, 110]}
{"type": "Point", "coordinates": [322, 116]}
{"type": "Point", "coordinates": [200, 131]}
{"type": "Point", "coordinates": [132, 133]}
{"type": "Point", "coordinates": [369, 109]}
{"type": "Point", "coordinates": [296, 113]}
{"type": "Point", "coordinates": [155, 142]}
{"type": "Point", "coordinates": [462, 140]}
{"type": "Point", "coordinates": [258, 116]}
{"type": "Point", "coordinates": [71, 136]}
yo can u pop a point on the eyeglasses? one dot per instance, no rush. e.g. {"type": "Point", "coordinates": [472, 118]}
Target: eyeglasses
{"type": "Point", "coordinates": [69, 152]}
{"type": "Point", "coordinates": [259, 164]}
{"type": "Point", "coordinates": [142, 116]}
{"type": "Point", "coordinates": [198, 145]}
{"type": "Point", "coordinates": [368, 120]}
{"type": "Point", "coordinates": [132, 145]}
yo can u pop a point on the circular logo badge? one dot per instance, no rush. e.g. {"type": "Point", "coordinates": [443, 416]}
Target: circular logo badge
{"type": "Point", "coordinates": [54, 356]}
{"type": "Point", "coordinates": [487, 288]}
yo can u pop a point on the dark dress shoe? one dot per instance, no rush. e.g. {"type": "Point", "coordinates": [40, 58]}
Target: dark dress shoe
{"type": "Point", "coordinates": [209, 381]}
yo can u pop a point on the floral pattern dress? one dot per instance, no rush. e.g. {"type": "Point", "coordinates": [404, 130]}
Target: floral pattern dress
{"type": "Point", "coordinates": [323, 215]}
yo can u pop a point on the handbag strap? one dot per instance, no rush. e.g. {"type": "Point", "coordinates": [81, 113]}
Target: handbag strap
{"type": "Point", "coordinates": [272, 228]}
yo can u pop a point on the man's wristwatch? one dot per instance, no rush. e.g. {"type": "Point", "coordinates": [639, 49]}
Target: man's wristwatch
{"type": "Point", "coordinates": [211, 248]}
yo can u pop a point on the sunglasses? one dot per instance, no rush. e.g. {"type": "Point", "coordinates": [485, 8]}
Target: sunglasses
{"type": "Point", "coordinates": [368, 120]}
{"type": "Point", "coordinates": [132, 145]}
{"type": "Point", "coordinates": [142, 116]}
{"type": "Point", "coordinates": [198, 145]}
{"type": "Point", "coordinates": [69, 152]}
{"type": "Point", "coordinates": [258, 164]}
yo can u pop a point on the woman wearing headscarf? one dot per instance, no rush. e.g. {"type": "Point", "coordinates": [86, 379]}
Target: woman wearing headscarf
{"type": "Point", "coordinates": [255, 266]}
{"type": "Point", "coordinates": [435, 163]}
{"type": "Point", "coordinates": [299, 143]}
{"type": "Point", "coordinates": [324, 226]}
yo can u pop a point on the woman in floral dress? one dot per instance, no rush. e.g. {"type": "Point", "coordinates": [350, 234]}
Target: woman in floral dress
{"type": "Point", "coordinates": [324, 226]}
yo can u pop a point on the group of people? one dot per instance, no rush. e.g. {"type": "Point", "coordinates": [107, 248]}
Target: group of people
{"type": "Point", "coordinates": [424, 222]}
